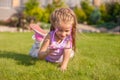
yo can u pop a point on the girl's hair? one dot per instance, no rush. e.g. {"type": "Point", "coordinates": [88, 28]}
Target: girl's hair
{"type": "Point", "coordinates": [65, 15]}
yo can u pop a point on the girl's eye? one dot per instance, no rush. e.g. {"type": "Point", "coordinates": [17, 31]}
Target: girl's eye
{"type": "Point", "coordinates": [67, 30]}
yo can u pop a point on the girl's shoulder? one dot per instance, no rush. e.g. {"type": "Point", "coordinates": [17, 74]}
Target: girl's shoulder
{"type": "Point", "coordinates": [49, 36]}
{"type": "Point", "coordinates": [46, 39]}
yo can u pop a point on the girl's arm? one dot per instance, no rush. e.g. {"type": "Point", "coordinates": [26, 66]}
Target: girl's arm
{"type": "Point", "coordinates": [66, 57]}
{"type": "Point", "coordinates": [43, 52]}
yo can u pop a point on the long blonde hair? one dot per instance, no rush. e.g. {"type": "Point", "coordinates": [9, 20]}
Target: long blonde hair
{"type": "Point", "coordinates": [65, 15]}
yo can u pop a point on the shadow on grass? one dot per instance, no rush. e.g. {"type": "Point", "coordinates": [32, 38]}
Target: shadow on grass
{"type": "Point", "coordinates": [21, 59]}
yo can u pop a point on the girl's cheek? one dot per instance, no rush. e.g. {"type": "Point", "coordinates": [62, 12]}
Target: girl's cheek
{"type": "Point", "coordinates": [69, 33]}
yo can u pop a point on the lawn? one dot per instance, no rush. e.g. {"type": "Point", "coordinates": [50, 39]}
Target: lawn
{"type": "Point", "coordinates": [97, 58]}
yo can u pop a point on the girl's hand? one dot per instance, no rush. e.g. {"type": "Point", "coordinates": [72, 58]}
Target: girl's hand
{"type": "Point", "coordinates": [50, 51]}
{"type": "Point", "coordinates": [63, 68]}
{"type": "Point", "coordinates": [66, 57]}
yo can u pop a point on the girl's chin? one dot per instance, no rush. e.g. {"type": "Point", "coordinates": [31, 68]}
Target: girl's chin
{"type": "Point", "coordinates": [60, 37]}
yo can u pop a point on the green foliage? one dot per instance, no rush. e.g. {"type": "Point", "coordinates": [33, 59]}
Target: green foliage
{"type": "Point", "coordinates": [46, 16]}
{"type": "Point", "coordinates": [81, 16]}
{"type": "Point", "coordinates": [110, 12]}
{"type": "Point", "coordinates": [97, 58]}
{"type": "Point", "coordinates": [117, 10]}
{"type": "Point", "coordinates": [56, 4]}
{"type": "Point", "coordinates": [110, 15]}
{"type": "Point", "coordinates": [37, 13]}
{"type": "Point", "coordinates": [87, 8]}
{"type": "Point", "coordinates": [104, 14]}
{"type": "Point", "coordinates": [49, 8]}
{"type": "Point", "coordinates": [113, 10]}
{"type": "Point", "coordinates": [32, 9]}
{"type": "Point", "coordinates": [95, 16]}
{"type": "Point", "coordinates": [29, 6]}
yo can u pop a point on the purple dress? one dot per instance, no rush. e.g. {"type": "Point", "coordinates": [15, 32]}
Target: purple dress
{"type": "Point", "coordinates": [56, 55]}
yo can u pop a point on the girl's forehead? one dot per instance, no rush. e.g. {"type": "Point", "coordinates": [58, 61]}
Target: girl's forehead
{"type": "Point", "coordinates": [64, 26]}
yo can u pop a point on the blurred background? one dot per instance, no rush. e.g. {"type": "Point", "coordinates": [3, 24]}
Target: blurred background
{"type": "Point", "coordinates": [93, 15]}
{"type": "Point", "coordinates": [97, 55]}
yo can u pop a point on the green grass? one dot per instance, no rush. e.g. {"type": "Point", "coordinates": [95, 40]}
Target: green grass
{"type": "Point", "coordinates": [97, 58]}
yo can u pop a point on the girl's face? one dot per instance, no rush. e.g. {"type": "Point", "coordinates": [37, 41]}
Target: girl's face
{"type": "Point", "coordinates": [63, 30]}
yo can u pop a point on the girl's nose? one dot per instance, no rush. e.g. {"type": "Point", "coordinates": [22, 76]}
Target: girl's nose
{"type": "Point", "coordinates": [63, 34]}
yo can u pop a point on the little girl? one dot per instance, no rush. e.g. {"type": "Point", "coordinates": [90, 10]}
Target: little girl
{"type": "Point", "coordinates": [59, 44]}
